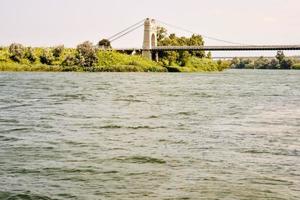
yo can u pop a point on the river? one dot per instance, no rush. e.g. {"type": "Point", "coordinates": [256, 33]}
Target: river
{"type": "Point", "coordinates": [229, 135]}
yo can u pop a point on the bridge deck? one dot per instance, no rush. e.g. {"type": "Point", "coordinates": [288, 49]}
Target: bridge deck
{"type": "Point", "coordinates": [218, 48]}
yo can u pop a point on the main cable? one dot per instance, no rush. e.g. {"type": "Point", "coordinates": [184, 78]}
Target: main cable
{"type": "Point", "coordinates": [126, 33]}
{"type": "Point", "coordinates": [111, 38]}
{"type": "Point", "coordinates": [192, 32]}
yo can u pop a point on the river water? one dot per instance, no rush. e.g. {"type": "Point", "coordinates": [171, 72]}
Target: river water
{"type": "Point", "coordinates": [229, 135]}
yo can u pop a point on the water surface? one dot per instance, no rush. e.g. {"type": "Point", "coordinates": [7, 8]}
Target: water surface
{"type": "Point", "coordinates": [230, 135]}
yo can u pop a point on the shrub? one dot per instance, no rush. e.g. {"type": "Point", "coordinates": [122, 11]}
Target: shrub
{"type": "Point", "coordinates": [16, 52]}
{"type": "Point", "coordinates": [86, 53]}
{"type": "Point", "coordinates": [58, 51]}
{"type": "Point", "coordinates": [286, 63]}
{"type": "Point", "coordinates": [70, 60]}
{"type": "Point", "coordinates": [4, 55]}
{"type": "Point", "coordinates": [46, 57]}
{"type": "Point", "coordinates": [30, 55]}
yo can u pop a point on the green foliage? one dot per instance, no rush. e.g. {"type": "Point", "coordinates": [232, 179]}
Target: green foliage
{"type": "Point", "coordinates": [15, 66]}
{"type": "Point", "coordinates": [113, 61]}
{"type": "Point", "coordinates": [261, 63]}
{"type": "Point", "coordinates": [196, 64]}
{"type": "Point", "coordinates": [46, 57]}
{"type": "Point", "coordinates": [209, 55]}
{"type": "Point", "coordinates": [296, 66]}
{"type": "Point", "coordinates": [286, 63]}
{"type": "Point", "coordinates": [242, 63]}
{"type": "Point", "coordinates": [86, 55]}
{"type": "Point", "coordinates": [16, 52]}
{"type": "Point", "coordinates": [161, 34]}
{"type": "Point", "coordinates": [87, 58]}
{"type": "Point", "coordinates": [70, 60]}
{"type": "Point", "coordinates": [280, 56]}
{"type": "Point", "coordinates": [104, 44]}
{"type": "Point", "coordinates": [58, 51]}
{"type": "Point", "coordinates": [180, 58]}
{"type": "Point", "coordinates": [4, 54]}
{"type": "Point", "coordinates": [281, 62]}
{"type": "Point", "coordinates": [202, 64]}
{"type": "Point", "coordinates": [30, 55]}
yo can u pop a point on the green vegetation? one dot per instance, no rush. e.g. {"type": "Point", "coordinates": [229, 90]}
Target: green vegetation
{"type": "Point", "coordinates": [279, 62]}
{"type": "Point", "coordinates": [87, 57]}
{"type": "Point", "coordinates": [296, 66]}
{"type": "Point", "coordinates": [186, 61]}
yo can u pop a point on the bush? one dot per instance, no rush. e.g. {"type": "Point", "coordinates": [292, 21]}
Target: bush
{"type": "Point", "coordinates": [70, 60]}
{"type": "Point", "coordinates": [201, 64]}
{"type": "Point", "coordinates": [30, 55]}
{"type": "Point", "coordinates": [86, 53]}
{"type": "Point", "coordinates": [4, 55]}
{"type": "Point", "coordinates": [16, 52]}
{"type": "Point", "coordinates": [46, 57]}
{"type": "Point", "coordinates": [123, 62]}
{"type": "Point", "coordinates": [58, 51]}
{"type": "Point", "coordinates": [286, 63]}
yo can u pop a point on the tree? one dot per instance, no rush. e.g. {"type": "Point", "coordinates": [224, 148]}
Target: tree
{"type": "Point", "coordinates": [86, 53]}
{"type": "Point", "coordinates": [196, 40]}
{"type": "Point", "coordinates": [16, 52]}
{"type": "Point", "coordinates": [70, 60]}
{"type": "Point", "coordinates": [58, 51]}
{"type": "Point", "coordinates": [162, 33]}
{"type": "Point", "coordinates": [242, 63]}
{"type": "Point", "coordinates": [104, 43]}
{"type": "Point", "coordinates": [184, 58]}
{"type": "Point", "coordinates": [209, 55]}
{"type": "Point", "coordinates": [261, 63]}
{"type": "Point", "coordinates": [178, 58]}
{"type": "Point", "coordinates": [286, 63]}
{"type": "Point", "coordinates": [274, 64]}
{"type": "Point", "coordinates": [280, 56]}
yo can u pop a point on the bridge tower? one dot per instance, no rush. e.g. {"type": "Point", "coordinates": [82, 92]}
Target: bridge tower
{"type": "Point", "coordinates": [150, 39]}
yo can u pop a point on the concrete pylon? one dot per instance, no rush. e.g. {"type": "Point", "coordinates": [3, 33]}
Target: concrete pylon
{"type": "Point", "coordinates": [150, 38]}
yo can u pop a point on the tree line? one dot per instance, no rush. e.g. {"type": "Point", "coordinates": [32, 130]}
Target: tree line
{"type": "Point", "coordinates": [279, 62]}
{"type": "Point", "coordinates": [179, 58]}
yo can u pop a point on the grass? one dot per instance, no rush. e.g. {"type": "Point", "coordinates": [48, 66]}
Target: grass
{"type": "Point", "coordinates": [195, 64]}
{"type": "Point", "coordinates": [296, 66]}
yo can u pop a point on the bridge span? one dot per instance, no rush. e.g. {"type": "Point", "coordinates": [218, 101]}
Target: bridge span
{"type": "Point", "coordinates": [216, 48]}
{"type": "Point", "coordinates": [227, 48]}
{"type": "Point", "coordinates": [150, 48]}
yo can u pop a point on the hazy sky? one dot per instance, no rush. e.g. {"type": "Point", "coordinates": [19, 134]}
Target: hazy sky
{"type": "Point", "coordinates": [69, 22]}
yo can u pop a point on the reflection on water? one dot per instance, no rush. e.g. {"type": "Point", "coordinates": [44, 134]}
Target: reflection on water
{"type": "Point", "coordinates": [231, 135]}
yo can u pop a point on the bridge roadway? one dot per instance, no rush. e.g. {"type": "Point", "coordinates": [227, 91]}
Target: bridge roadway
{"type": "Point", "coordinates": [217, 48]}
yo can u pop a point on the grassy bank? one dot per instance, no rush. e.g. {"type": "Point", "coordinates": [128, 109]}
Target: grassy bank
{"type": "Point", "coordinates": [296, 66]}
{"type": "Point", "coordinates": [87, 58]}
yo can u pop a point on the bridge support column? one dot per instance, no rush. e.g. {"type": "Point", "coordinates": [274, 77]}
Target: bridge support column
{"type": "Point", "coordinates": [150, 38]}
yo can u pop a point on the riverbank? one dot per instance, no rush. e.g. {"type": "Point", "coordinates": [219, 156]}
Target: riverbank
{"type": "Point", "coordinates": [88, 59]}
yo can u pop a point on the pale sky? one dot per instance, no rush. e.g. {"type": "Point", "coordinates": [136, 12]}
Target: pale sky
{"type": "Point", "coordinates": [70, 22]}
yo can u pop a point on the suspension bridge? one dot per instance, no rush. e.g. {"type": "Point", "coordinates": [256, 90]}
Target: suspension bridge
{"type": "Point", "coordinates": [150, 49]}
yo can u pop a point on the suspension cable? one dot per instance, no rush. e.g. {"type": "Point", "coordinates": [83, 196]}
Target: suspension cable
{"type": "Point", "coordinates": [126, 33]}
{"type": "Point", "coordinates": [205, 36]}
{"type": "Point", "coordinates": [128, 28]}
